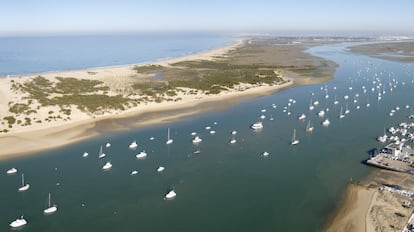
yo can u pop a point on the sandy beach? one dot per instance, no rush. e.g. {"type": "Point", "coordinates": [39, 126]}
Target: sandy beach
{"type": "Point", "coordinates": [80, 125]}
{"type": "Point", "coordinates": [352, 215]}
{"type": "Point", "coordinates": [368, 208]}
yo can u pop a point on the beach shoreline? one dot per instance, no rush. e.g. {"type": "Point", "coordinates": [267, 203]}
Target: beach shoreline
{"type": "Point", "coordinates": [45, 136]}
{"type": "Point", "coordinates": [352, 213]}
{"type": "Point", "coordinates": [367, 207]}
{"type": "Point", "coordinates": [32, 141]}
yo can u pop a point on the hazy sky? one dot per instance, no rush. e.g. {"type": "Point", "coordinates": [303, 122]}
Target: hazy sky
{"type": "Point", "coordinates": [92, 16]}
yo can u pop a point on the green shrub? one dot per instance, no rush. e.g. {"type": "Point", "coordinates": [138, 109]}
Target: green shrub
{"type": "Point", "coordinates": [10, 120]}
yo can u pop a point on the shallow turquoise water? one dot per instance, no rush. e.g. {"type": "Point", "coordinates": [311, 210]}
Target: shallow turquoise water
{"type": "Point", "coordinates": [226, 187]}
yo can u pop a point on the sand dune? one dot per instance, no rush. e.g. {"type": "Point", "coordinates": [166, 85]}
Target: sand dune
{"type": "Point", "coordinates": [79, 125]}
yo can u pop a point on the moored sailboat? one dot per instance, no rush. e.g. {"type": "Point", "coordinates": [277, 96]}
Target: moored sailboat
{"type": "Point", "coordinates": [294, 140]}
{"type": "Point", "coordinates": [24, 186]}
{"type": "Point", "coordinates": [133, 145]}
{"type": "Point", "coordinates": [169, 140]}
{"type": "Point", "coordinates": [170, 195]}
{"type": "Point", "coordinates": [341, 114]}
{"type": "Point", "coordinates": [11, 171]}
{"type": "Point", "coordinates": [18, 223]}
{"type": "Point", "coordinates": [50, 208]}
{"type": "Point", "coordinates": [101, 154]}
{"type": "Point", "coordinates": [309, 127]}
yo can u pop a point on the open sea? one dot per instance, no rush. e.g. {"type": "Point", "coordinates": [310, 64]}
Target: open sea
{"type": "Point", "coordinates": [27, 55]}
{"type": "Point", "coordinates": [227, 187]}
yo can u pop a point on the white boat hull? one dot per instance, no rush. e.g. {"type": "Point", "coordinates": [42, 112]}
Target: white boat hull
{"type": "Point", "coordinates": [50, 210]}
{"type": "Point", "coordinates": [24, 188]}
{"type": "Point", "coordinates": [141, 155]}
{"type": "Point", "coordinates": [170, 195]}
{"type": "Point", "coordinates": [107, 166]}
{"type": "Point", "coordinates": [11, 171]}
{"type": "Point", "coordinates": [18, 223]}
{"type": "Point", "coordinates": [294, 142]}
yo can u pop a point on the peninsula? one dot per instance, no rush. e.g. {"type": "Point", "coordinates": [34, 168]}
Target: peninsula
{"type": "Point", "coordinates": [48, 110]}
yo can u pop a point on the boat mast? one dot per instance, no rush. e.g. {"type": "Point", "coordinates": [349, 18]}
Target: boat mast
{"type": "Point", "coordinates": [49, 202]}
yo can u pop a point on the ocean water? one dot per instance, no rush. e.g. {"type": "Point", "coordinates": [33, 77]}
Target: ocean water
{"type": "Point", "coordinates": [27, 55]}
{"type": "Point", "coordinates": [228, 187]}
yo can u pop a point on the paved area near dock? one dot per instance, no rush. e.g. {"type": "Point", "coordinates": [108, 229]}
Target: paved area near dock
{"type": "Point", "coordinates": [400, 163]}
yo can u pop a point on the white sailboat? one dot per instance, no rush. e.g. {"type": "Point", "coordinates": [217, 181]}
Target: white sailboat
{"type": "Point", "coordinates": [336, 102]}
{"type": "Point", "coordinates": [169, 140]}
{"type": "Point", "coordinates": [326, 122]}
{"type": "Point", "coordinates": [107, 166]}
{"type": "Point", "coordinates": [160, 169]}
{"type": "Point", "coordinates": [24, 186]}
{"type": "Point", "coordinates": [341, 114]}
{"type": "Point", "coordinates": [309, 127]}
{"type": "Point", "coordinates": [257, 126]}
{"type": "Point", "coordinates": [346, 108]}
{"type": "Point", "coordinates": [368, 105]}
{"type": "Point", "coordinates": [311, 107]}
{"type": "Point", "coordinates": [50, 208]}
{"type": "Point", "coordinates": [18, 223]}
{"type": "Point", "coordinates": [321, 113]}
{"type": "Point", "coordinates": [233, 138]}
{"type": "Point", "coordinates": [294, 140]}
{"type": "Point", "coordinates": [197, 140]}
{"type": "Point", "coordinates": [383, 138]}
{"type": "Point", "coordinates": [141, 155]}
{"type": "Point", "coordinates": [133, 145]}
{"type": "Point", "coordinates": [11, 171]}
{"type": "Point", "coordinates": [170, 195]}
{"type": "Point", "coordinates": [101, 154]}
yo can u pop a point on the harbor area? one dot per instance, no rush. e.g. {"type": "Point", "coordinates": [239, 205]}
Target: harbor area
{"type": "Point", "coordinates": [395, 157]}
{"type": "Point", "coordinates": [391, 208]}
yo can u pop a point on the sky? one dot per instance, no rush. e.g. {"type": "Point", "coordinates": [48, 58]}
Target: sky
{"type": "Point", "coordinates": [28, 17]}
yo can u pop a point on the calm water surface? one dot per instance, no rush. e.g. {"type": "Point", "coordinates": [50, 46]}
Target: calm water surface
{"type": "Point", "coordinates": [226, 187]}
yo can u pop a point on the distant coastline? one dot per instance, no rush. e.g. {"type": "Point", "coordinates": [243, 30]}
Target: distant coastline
{"type": "Point", "coordinates": [400, 51]}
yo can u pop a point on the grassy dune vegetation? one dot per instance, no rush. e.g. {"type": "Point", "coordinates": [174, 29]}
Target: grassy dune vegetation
{"type": "Point", "coordinates": [255, 64]}
{"type": "Point", "coordinates": [211, 77]}
{"type": "Point", "coordinates": [87, 95]}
